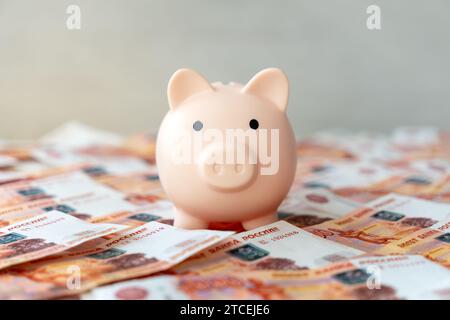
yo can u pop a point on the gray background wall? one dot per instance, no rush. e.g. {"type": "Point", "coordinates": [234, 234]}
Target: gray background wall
{"type": "Point", "coordinates": [113, 72]}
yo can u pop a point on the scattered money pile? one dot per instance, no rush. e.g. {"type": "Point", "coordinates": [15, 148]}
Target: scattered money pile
{"type": "Point", "coordinates": [83, 215]}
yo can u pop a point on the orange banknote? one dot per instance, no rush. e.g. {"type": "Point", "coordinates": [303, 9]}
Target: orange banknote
{"type": "Point", "coordinates": [368, 278]}
{"type": "Point", "coordinates": [277, 246]}
{"type": "Point", "coordinates": [432, 243]}
{"type": "Point", "coordinates": [45, 235]}
{"type": "Point", "coordinates": [144, 250]}
{"type": "Point", "coordinates": [378, 223]}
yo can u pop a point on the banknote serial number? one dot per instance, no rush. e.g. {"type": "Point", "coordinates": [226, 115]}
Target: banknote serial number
{"type": "Point", "coordinates": [228, 309]}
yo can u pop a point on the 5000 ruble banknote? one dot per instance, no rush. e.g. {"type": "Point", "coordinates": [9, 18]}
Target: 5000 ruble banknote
{"type": "Point", "coordinates": [360, 278]}
{"type": "Point", "coordinates": [144, 250]}
{"type": "Point", "coordinates": [277, 246]}
{"type": "Point", "coordinates": [47, 234]}
{"type": "Point", "coordinates": [380, 222]}
{"type": "Point", "coordinates": [432, 243]}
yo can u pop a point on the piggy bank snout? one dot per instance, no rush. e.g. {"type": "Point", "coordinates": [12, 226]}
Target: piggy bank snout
{"type": "Point", "coordinates": [221, 169]}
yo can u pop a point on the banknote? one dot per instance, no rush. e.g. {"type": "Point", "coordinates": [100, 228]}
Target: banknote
{"type": "Point", "coordinates": [404, 143]}
{"type": "Point", "coordinates": [307, 207]}
{"type": "Point", "coordinates": [350, 179]}
{"type": "Point", "coordinates": [79, 138]}
{"type": "Point", "coordinates": [368, 278]}
{"type": "Point", "coordinates": [21, 151]}
{"type": "Point", "coordinates": [108, 162]}
{"type": "Point", "coordinates": [75, 142]}
{"type": "Point", "coordinates": [26, 210]}
{"type": "Point", "coordinates": [349, 174]}
{"type": "Point", "coordinates": [443, 195]}
{"type": "Point", "coordinates": [434, 168]}
{"type": "Point", "coordinates": [350, 146]}
{"type": "Point", "coordinates": [412, 184]}
{"type": "Point", "coordinates": [277, 246]}
{"type": "Point", "coordinates": [161, 211]}
{"type": "Point", "coordinates": [309, 148]}
{"type": "Point", "coordinates": [143, 145]}
{"type": "Point", "coordinates": [47, 234]}
{"type": "Point", "coordinates": [63, 186]}
{"type": "Point", "coordinates": [421, 142]}
{"type": "Point", "coordinates": [152, 288]}
{"type": "Point", "coordinates": [57, 186]}
{"type": "Point", "coordinates": [418, 185]}
{"type": "Point", "coordinates": [432, 243]}
{"type": "Point", "coordinates": [84, 203]}
{"type": "Point", "coordinates": [144, 250]}
{"type": "Point", "coordinates": [387, 219]}
{"type": "Point", "coordinates": [7, 161]}
{"type": "Point", "coordinates": [30, 169]}
{"type": "Point", "coordinates": [86, 206]}
{"type": "Point", "coordinates": [9, 176]}
{"type": "Point", "coordinates": [138, 184]}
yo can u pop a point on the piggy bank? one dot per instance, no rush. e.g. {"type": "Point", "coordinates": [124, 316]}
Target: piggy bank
{"type": "Point", "coordinates": [226, 153]}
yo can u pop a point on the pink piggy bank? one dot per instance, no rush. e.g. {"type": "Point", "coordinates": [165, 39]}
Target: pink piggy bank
{"type": "Point", "coordinates": [226, 153]}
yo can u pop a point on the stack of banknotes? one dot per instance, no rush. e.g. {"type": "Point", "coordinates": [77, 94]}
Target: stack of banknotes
{"type": "Point", "coordinates": [83, 216]}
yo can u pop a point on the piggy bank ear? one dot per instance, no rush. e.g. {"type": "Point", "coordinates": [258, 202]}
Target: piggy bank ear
{"type": "Point", "coordinates": [183, 84]}
{"type": "Point", "coordinates": [271, 84]}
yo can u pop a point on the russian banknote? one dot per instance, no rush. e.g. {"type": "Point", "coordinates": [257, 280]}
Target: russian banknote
{"type": "Point", "coordinates": [277, 246]}
{"type": "Point", "coordinates": [432, 243]}
{"type": "Point", "coordinates": [58, 187]}
{"type": "Point", "coordinates": [307, 207]}
{"type": "Point", "coordinates": [150, 248]}
{"type": "Point", "coordinates": [74, 193]}
{"type": "Point", "coordinates": [368, 278]}
{"type": "Point", "coordinates": [378, 223]}
{"type": "Point", "coordinates": [161, 211]}
{"type": "Point", "coordinates": [47, 234]}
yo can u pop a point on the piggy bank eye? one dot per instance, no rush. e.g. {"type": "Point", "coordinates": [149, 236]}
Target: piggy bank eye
{"type": "Point", "coordinates": [254, 124]}
{"type": "Point", "coordinates": [198, 125]}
